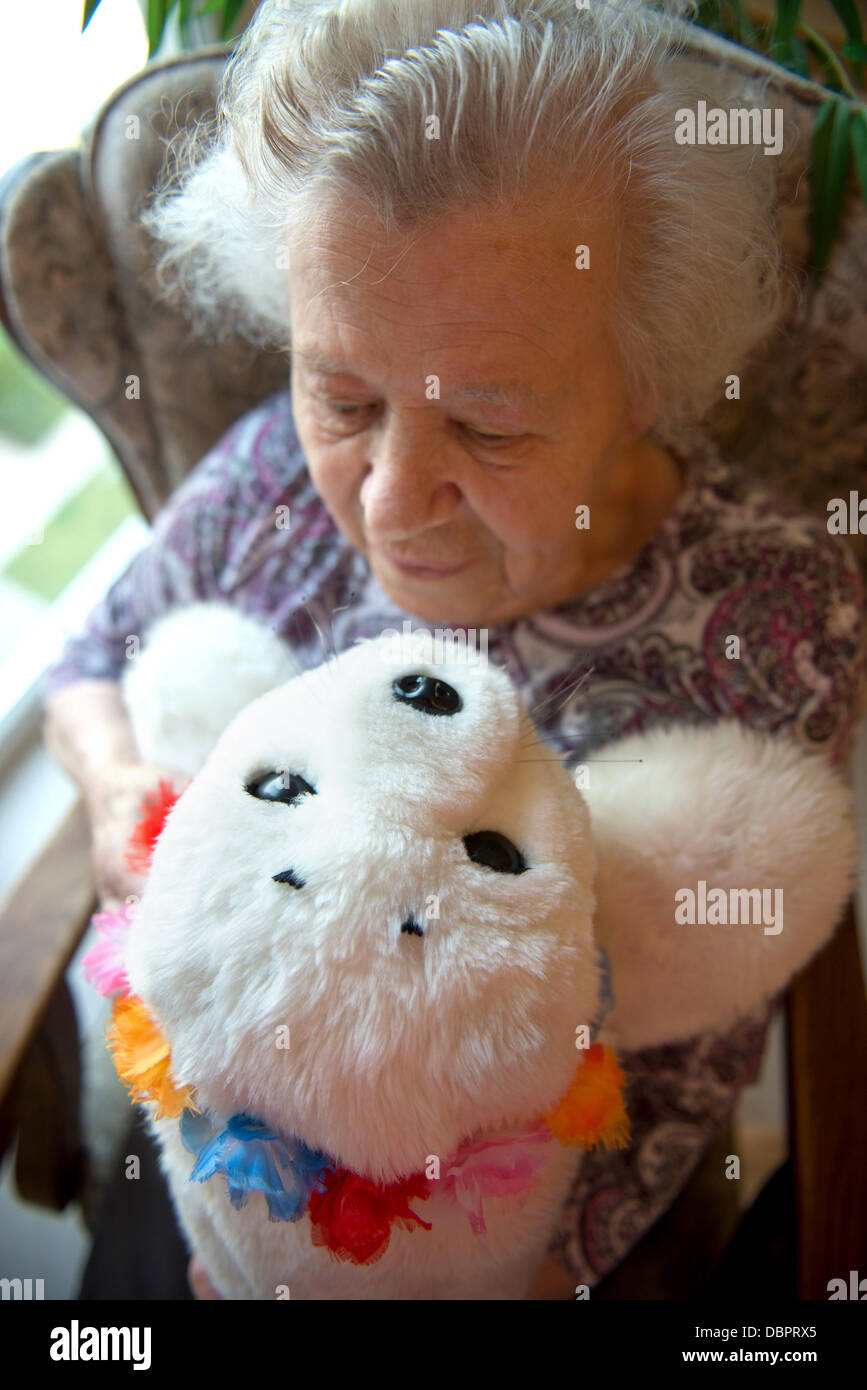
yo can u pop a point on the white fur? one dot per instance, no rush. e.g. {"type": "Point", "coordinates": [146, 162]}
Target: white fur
{"type": "Point", "coordinates": [404, 1047]}
{"type": "Point", "coordinates": [197, 669]}
{"type": "Point", "coordinates": [737, 809]}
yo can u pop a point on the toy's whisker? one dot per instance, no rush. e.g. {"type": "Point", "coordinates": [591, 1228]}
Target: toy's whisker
{"type": "Point", "coordinates": [553, 759]}
{"type": "Point", "coordinates": [320, 634]}
{"type": "Point", "coordinates": [527, 733]}
{"type": "Point", "coordinates": [331, 629]}
{"type": "Point", "coordinates": [576, 685]}
{"type": "Point", "coordinates": [581, 761]}
{"type": "Point", "coordinates": [534, 710]}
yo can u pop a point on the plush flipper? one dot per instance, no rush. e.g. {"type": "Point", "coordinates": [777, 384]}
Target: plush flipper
{"type": "Point", "coordinates": [199, 667]}
{"type": "Point", "coordinates": [730, 809]}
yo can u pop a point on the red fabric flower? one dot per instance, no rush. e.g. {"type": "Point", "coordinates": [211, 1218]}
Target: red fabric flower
{"type": "Point", "coordinates": [353, 1216]}
{"type": "Point", "coordinates": [155, 808]}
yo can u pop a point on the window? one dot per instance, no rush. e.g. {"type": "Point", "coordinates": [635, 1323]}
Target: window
{"type": "Point", "coordinates": [69, 522]}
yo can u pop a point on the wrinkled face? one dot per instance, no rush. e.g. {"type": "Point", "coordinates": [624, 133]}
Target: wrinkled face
{"type": "Point", "coordinates": [368, 919]}
{"type": "Point", "coordinates": [457, 395]}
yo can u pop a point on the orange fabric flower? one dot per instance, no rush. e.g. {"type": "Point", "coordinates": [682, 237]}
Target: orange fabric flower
{"type": "Point", "coordinates": [592, 1110]}
{"type": "Point", "coordinates": [143, 1059]}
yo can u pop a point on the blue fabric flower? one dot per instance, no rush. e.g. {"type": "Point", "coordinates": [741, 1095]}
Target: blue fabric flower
{"type": "Point", "coordinates": [196, 1130]}
{"type": "Point", "coordinates": [251, 1156]}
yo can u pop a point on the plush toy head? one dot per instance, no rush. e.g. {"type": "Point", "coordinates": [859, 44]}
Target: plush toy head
{"type": "Point", "coordinates": [382, 867]}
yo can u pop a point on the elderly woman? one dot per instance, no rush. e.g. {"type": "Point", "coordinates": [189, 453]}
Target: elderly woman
{"type": "Point", "coordinates": [510, 297]}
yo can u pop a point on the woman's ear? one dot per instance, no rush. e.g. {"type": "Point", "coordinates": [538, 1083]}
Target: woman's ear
{"type": "Point", "coordinates": [641, 416]}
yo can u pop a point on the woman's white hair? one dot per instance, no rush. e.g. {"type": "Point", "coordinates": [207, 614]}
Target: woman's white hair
{"type": "Point", "coordinates": [325, 99]}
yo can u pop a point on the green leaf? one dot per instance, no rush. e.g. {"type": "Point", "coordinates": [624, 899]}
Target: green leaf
{"type": "Point", "coordinates": [822, 121]}
{"type": "Point", "coordinates": [228, 11]}
{"type": "Point", "coordinates": [90, 8]}
{"type": "Point", "coordinates": [833, 75]}
{"type": "Point", "coordinates": [830, 166]}
{"type": "Point", "coordinates": [746, 30]}
{"type": "Point", "coordinates": [849, 17]}
{"type": "Point", "coordinates": [716, 16]}
{"type": "Point", "coordinates": [858, 141]}
{"type": "Point", "coordinates": [799, 62]}
{"type": "Point", "coordinates": [707, 15]}
{"type": "Point", "coordinates": [856, 52]}
{"type": "Point", "coordinates": [158, 13]}
{"type": "Point", "coordinates": [786, 13]}
{"type": "Point", "coordinates": [231, 11]}
{"type": "Point", "coordinates": [851, 21]}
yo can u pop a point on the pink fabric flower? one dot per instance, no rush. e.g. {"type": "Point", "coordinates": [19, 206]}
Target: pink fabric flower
{"type": "Point", "coordinates": [508, 1166]}
{"type": "Point", "coordinates": [104, 965]}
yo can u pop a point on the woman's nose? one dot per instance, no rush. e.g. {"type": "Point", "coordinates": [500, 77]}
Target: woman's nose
{"type": "Point", "coordinates": [408, 485]}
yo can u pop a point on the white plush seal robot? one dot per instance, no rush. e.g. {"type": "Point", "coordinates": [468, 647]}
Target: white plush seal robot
{"type": "Point", "coordinates": [369, 949]}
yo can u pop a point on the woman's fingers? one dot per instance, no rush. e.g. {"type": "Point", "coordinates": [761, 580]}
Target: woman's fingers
{"type": "Point", "coordinates": [115, 808]}
{"type": "Point", "coordinates": [199, 1282]}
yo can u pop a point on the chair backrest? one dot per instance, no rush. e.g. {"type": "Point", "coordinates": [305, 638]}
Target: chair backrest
{"type": "Point", "coordinates": [78, 294]}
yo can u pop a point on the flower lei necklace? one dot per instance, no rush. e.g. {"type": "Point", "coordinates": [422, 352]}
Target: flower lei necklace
{"type": "Point", "coordinates": [349, 1214]}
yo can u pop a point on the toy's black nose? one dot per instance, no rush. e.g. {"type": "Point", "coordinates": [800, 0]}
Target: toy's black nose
{"type": "Point", "coordinates": [428, 694]}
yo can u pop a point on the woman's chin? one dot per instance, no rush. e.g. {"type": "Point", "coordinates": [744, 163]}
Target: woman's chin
{"type": "Point", "coordinates": [457, 599]}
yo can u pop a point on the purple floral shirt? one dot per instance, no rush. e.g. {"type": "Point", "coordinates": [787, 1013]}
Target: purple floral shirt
{"type": "Point", "coordinates": [651, 643]}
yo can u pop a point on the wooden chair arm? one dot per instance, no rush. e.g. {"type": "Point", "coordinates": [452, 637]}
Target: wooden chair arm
{"type": "Point", "coordinates": [827, 1063]}
{"type": "Point", "coordinates": [41, 923]}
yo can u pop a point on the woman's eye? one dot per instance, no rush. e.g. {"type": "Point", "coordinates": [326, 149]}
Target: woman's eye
{"type": "Point", "coordinates": [287, 787]}
{"type": "Point", "coordinates": [354, 412]}
{"type": "Point", "coordinates": [341, 417]}
{"type": "Point", "coordinates": [492, 441]}
{"type": "Point", "coordinates": [346, 410]}
{"type": "Point", "coordinates": [489, 438]}
{"type": "Point", "coordinates": [495, 851]}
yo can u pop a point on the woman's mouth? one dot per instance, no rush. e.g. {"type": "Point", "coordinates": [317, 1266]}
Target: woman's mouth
{"type": "Point", "coordinates": [417, 570]}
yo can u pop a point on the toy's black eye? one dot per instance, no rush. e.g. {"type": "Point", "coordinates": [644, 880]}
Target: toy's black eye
{"type": "Point", "coordinates": [427, 694]}
{"type": "Point", "coordinates": [495, 851]}
{"type": "Point", "coordinates": [288, 787]}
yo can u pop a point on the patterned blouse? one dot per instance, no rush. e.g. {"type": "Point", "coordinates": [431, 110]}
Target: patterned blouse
{"type": "Point", "coordinates": [650, 642]}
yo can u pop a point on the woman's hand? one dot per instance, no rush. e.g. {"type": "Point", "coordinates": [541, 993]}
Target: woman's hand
{"type": "Point", "coordinates": [114, 803]}
{"type": "Point", "coordinates": [88, 732]}
{"type": "Point", "coordinates": [553, 1282]}
{"type": "Point", "coordinates": [200, 1283]}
